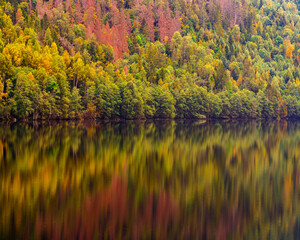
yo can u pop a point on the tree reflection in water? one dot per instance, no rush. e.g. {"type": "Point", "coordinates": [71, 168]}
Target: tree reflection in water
{"type": "Point", "coordinates": [150, 180]}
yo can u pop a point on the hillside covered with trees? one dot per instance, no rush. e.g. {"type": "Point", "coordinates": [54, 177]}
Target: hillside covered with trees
{"type": "Point", "coordinates": [69, 59]}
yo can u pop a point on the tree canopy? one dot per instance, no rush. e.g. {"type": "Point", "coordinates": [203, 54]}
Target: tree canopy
{"type": "Point", "coordinates": [149, 59]}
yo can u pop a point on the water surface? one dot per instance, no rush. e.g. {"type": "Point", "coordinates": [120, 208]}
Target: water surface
{"type": "Point", "coordinates": [150, 180]}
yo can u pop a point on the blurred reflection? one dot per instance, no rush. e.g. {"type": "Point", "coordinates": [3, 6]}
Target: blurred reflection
{"type": "Point", "coordinates": [150, 180]}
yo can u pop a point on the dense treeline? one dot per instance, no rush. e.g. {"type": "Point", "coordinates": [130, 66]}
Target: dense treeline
{"type": "Point", "coordinates": [149, 59]}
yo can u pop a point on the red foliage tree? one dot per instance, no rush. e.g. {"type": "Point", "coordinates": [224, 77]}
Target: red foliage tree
{"type": "Point", "coordinates": [115, 36]}
{"type": "Point", "coordinates": [68, 4]}
{"type": "Point", "coordinates": [40, 8]}
{"type": "Point", "coordinates": [107, 35]}
{"type": "Point", "coordinates": [89, 21]}
{"type": "Point", "coordinates": [99, 25]}
{"type": "Point", "coordinates": [122, 31]}
{"type": "Point", "coordinates": [167, 25]}
{"type": "Point", "coordinates": [150, 22]}
{"type": "Point", "coordinates": [79, 12]}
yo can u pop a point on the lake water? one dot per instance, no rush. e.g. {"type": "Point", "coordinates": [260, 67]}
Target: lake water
{"type": "Point", "coordinates": [150, 180]}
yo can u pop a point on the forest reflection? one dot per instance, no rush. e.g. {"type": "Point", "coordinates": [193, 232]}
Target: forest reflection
{"type": "Point", "coordinates": [150, 180]}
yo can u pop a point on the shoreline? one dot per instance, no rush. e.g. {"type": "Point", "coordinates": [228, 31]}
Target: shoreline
{"type": "Point", "coordinates": [117, 120]}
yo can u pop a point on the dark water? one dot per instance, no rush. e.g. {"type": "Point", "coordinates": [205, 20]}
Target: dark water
{"type": "Point", "coordinates": [150, 180]}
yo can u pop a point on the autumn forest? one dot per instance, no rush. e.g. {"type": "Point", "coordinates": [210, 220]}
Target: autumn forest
{"type": "Point", "coordinates": [136, 59]}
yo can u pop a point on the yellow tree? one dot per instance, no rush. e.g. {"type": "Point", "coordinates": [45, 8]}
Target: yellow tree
{"type": "Point", "coordinates": [289, 49]}
{"type": "Point", "coordinates": [78, 71]}
{"type": "Point", "coordinates": [19, 15]}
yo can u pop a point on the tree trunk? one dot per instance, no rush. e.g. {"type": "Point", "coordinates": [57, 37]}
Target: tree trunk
{"type": "Point", "coordinates": [35, 115]}
{"type": "Point", "coordinates": [76, 82]}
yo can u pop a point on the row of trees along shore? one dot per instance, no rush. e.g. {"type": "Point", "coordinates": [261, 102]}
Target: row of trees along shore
{"type": "Point", "coordinates": [135, 59]}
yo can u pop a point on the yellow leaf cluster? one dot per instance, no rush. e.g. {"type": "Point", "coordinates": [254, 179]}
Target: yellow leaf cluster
{"type": "Point", "coordinates": [289, 50]}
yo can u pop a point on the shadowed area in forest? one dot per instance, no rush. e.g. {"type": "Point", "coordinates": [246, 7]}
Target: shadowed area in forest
{"type": "Point", "coordinates": [150, 180]}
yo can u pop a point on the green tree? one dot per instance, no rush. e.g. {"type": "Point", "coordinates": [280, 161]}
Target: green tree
{"type": "Point", "coordinates": [132, 102]}
{"type": "Point", "coordinates": [5, 70]}
{"type": "Point", "coordinates": [75, 105]}
{"type": "Point", "coordinates": [164, 103]}
{"type": "Point", "coordinates": [26, 97]}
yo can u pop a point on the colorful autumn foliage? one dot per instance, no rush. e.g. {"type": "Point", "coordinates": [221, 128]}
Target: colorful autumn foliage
{"type": "Point", "coordinates": [234, 54]}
